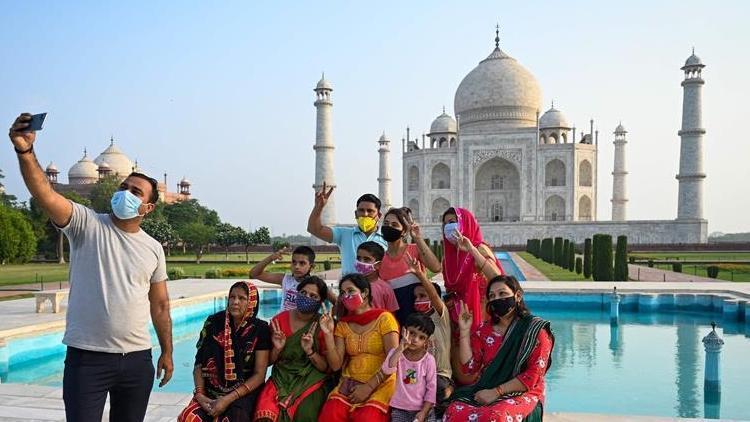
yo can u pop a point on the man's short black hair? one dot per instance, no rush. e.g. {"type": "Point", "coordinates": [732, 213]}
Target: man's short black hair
{"type": "Point", "coordinates": [368, 197]}
{"type": "Point", "coordinates": [421, 322]}
{"type": "Point", "coordinates": [374, 248]}
{"type": "Point", "coordinates": [306, 251]}
{"type": "Point", "coordinates": [154, 197]}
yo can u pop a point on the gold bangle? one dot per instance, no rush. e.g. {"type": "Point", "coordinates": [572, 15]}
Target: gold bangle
{"type": "Point", "coordinates": [499, 391]}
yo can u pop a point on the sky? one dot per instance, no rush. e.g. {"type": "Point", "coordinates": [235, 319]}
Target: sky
{"type": "Point", "coordinates": [221, 92]}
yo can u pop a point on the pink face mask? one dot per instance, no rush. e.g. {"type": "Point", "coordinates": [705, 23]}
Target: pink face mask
{"type": "Point", "coordinates": [352, 302]}
{"type": "Point", "coordinates": [364, 268]}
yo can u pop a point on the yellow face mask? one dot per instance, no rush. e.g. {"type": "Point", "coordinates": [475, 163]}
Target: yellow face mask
{"type": "Point", "coordinates": [367, 224]}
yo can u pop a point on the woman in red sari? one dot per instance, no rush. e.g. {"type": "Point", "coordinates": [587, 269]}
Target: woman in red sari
{"type": "Point", "coordinates": [296, 389]}
{"type": "Point", "coordinates": [511, 353]}
{"type": "Point", "coordinates": [468, 263]}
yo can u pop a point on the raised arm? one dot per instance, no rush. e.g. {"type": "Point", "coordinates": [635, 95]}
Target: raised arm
{"type": "Point", "coordinates": [55, 205]}
{"type": "Point", "coordinates": [425, 253]}
{"type": "Point", "coordinates": [314, 226]}
{"type": "Point", "coordinates": [258, 271]}
{"type": "Point", "coordinates": [484, 259]}
{"type": "Point", "coordinates": [435, 300]}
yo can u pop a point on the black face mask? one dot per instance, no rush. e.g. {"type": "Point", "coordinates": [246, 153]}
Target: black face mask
{"type": "Point", "coordinates": [390, 234]}
{"type": "Point", "coordinates": [498, 308]}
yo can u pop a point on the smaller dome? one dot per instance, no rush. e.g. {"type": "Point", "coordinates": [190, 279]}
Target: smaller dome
{"type": "Point", "coordinates": [383, 138]}
{"type": "Point", "coordinates": [104, 166]}
{"type": "Point", "coordinates": [323, 83]}
{"type": "Point", "coordinates": [553, 118]}
{"type": "Point", "coordinates": [52, 168]}
{"type": "Point", "coordinates": [443, 123]}
{"type": "Point", "coordinates": [83, 169]}
{"type": "Point", "coordinates": [620, 129]}
{"type": "Point", "coordinates": [184, 182]}
{"type": "Point", "coordinates": [693, 60]}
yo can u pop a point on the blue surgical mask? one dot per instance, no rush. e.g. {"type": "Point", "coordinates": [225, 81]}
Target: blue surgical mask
{"type": "Point", "coordinates": [449, 231]}
{"type": "Point", "coordinates": [125, 205]}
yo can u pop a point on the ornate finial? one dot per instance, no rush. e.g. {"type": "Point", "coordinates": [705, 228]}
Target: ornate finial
{"type": "Point", "coordinates": [553, 103]}
{"type": "Point", "coordinates": [693, 50]}
{"type": "Point", "coordinates": [443, 109]}
{"type": "Point", "coordinates": [713, 326]}
{"type": "Point", "coordinates": [111, 140]}
{"type": "Point", "coordinates": [322, 74]}
{"type": "Point", "coordinates": [497, 36]}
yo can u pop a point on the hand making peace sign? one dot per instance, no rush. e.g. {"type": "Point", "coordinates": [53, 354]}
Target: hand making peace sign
{"type": "Point", "coordinates": [321, 196]}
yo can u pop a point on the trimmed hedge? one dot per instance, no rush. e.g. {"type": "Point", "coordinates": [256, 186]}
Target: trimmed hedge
{"type": "Point", "coordinates": [587, 256]}
{"type": "Point", "coordinates": [557, 257]}
{"type": "Point", "coordinates": [603, 264]}
{"type": "Point", "coordinates": [677, 267]}
{"type": "Point", "coordinates": [621, 259]}
{"type": "Point", "coordinates": [712, 271]}
{"type": "Point", "coordinates": [547, 250]}
{"type": "Point", "coordinates": [571, 256]}
{"type": "Point", "coordinates": [566, 252]}
{"type": "Point", "coordinates": [579, 265]}
{"type": "Point", "coordinates": [176, 273]}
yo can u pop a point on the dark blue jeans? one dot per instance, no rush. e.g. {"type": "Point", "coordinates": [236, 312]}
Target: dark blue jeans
{"type": "Point", "coordinates": [89, 376]}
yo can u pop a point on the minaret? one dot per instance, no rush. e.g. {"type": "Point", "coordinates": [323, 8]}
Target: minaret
{"type": "Point", "coordinates": [619, 187]}
{"type": "Point", "coordinates": [690, 199]}
{"type": "Point", "coordinates": [384, 176]}
{"type": "Point", "coordinates": [324, 147]}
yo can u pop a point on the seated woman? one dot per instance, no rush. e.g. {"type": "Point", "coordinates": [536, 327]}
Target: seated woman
{"type": "Point", "coordinates": [358, 345]}
{"type": "Point", "coordinates": [511, 352]}
{"type": "Point", "coordinates": [231, 361]}
{"type": "Point", "coordinates": [296, 391]}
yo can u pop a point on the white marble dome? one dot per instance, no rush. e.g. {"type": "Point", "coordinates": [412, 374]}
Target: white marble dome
{"type": "Point", "coordinates": [83, 172]}
{"type": "Point", "coordinates": [498, 89]}
{"type": "Point", "coordinates": [323, 84]}
{"type": "Point", "coordinates": [693, 60]}
{"type": "Point", "coordinates": [116, 159]}
{"type": "Point", "coordinates": [553, 118]}
{"type": "Point", "coordinates": [443, 123]}
{"type": "Point", "coordinates": [52, 168]}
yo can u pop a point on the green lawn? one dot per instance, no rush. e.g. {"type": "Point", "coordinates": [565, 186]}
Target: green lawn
{"type": "Point", "coordinates": [728, 272]}
{"type": "Point", "coordinates": [12, 274]}
{"type": "Point", "coordinates": [701, 255]}
{"type": "Point", "coordinates": [240, 257]}
{"type": "Point", "coordinates": [553, 272]}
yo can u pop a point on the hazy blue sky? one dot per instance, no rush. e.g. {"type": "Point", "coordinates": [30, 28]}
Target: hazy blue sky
{"type": "Point", "coordinates": [221, 92]}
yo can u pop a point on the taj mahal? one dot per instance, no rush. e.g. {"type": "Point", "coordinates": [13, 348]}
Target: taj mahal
{"type": "Point", "coordinates": [524, 174]}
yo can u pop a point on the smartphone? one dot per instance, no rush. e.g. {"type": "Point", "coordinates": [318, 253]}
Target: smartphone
{"type": "Point", "coordinates": [36, 123]}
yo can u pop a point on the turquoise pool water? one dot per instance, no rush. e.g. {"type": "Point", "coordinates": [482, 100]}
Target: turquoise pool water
{"type": "Point", "coordinates": [650, 364]}
{"type": "Point", "coordinates": [509, 266]}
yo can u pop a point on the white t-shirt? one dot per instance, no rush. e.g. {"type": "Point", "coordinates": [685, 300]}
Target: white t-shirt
{"type": "Point", "coordinates": [111, 272]}
{"type": "Point", "coordinates": [289, 291]}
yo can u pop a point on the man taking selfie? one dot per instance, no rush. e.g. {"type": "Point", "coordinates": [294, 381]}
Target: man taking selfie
{"type": "Point", "coordinates": [117, 278]}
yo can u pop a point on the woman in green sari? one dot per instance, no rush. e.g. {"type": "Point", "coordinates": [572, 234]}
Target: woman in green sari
{"type": "Point", "coordinates": [296, 389]}
{"type": "Point", "coordinates": [511, 353]}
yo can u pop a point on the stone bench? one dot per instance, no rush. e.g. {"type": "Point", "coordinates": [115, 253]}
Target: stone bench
{"type": "Point", "coordinates": [55, 297]}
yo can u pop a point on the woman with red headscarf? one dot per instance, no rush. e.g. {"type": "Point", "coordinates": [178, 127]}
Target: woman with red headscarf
{"type": "Point", "coordinates": [468, 263]}
{"type": "Point", "coordinates": [231, 361]}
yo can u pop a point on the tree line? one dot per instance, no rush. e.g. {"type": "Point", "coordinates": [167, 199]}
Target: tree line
{"type": "Point", "coordinates": [26, 231]}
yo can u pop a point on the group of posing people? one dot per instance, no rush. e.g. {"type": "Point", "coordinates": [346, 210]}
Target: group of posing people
{"type": "Point", "coordinates": [389, 345]}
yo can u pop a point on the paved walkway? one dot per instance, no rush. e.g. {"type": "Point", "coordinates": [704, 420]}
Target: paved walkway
{"type": "Point", "coordinates": [644, 273]}
{"type": "Point", "coordinates": [529, 271]}
{"type": "Point", "coordinates": [26, 403]}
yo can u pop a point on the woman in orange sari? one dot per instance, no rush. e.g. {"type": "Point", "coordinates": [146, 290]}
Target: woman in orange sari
{"type": "Point", "coordinates": [358, 346]}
